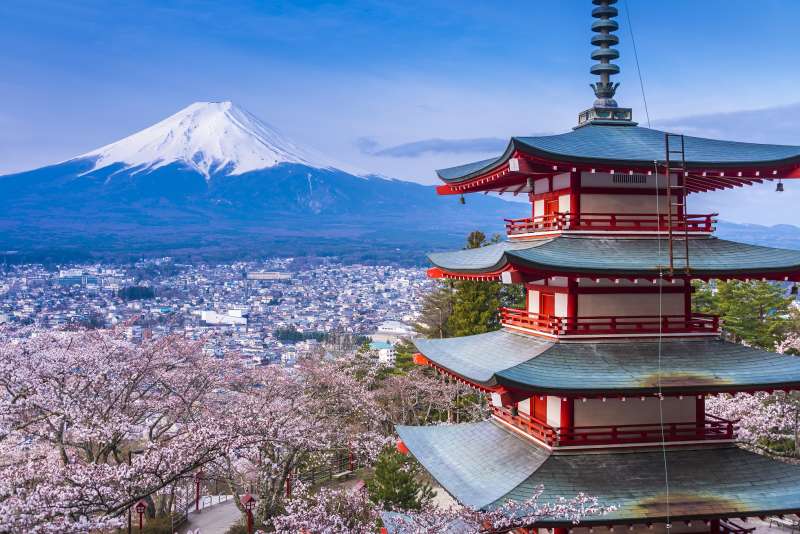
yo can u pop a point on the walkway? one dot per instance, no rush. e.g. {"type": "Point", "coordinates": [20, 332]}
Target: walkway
{"type": "Point", "coordinates": [214, 518]}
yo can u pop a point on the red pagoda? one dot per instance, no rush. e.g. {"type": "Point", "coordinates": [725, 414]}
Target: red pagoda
{"type": "Point", "coordinates": [599, 384]}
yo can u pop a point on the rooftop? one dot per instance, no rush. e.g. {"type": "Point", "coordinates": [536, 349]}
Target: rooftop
{"type": "Point", "coordinates": [503, 358]}
{"type": "Point", "coordinates": [629, 147]}
{"type": "Point", "coordinates": [484, 465]}
{"type": "Point", "coordinates": [710, 258]}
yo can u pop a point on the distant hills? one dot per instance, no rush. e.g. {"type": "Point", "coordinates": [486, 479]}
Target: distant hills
{"type": "Point", "coordinates": [780, 235]}
{"type": "Point", "coordinates": [215, 182]}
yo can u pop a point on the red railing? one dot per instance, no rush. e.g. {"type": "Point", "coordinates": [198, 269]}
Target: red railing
{"type": "Point", "coordinates": [608, 325]}
{"type": "Point", "coordinates": [712, 428]}
{"type": "Point", "coordinates": [611, 222]}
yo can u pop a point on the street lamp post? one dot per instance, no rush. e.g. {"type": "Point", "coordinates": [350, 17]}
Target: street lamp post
{"type": "Point", "coordinates": [130, 462]}
{"type": "Point", "coordinates": [197, 478]}
{"type": "Point", "coordinates": [141, 508]}
{"type": "Point", "coordinates": [249, 503]}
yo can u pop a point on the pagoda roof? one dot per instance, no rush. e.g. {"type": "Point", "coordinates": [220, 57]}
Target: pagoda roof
{"type": "Point", "coordinates": [480, 464]}
{"type": "Point", "coordinates": [632, 146]}
{"type": "Point", "coordinates": [702, 365]}
{"type": "Point", "coordinates": [710, 257]}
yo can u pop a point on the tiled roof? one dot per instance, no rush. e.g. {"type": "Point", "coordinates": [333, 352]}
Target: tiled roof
{"type": "Point", "coordinates": [632, 145]}
{"type": "Point", "coordinates": [703, 483]}
{"type": "Point", "coordinates": [479, 358]}
{"type": "Point", "coordinates": [618, 256]}
{"type": "Point", "coordinates": [476, 461]}
{"type": "Point", "coordinates": [707, 365]}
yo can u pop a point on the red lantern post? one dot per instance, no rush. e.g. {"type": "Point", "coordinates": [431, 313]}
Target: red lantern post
{"type": "Point", "coordinates": [249, 503]}
{"type": "Point", "coordinates": [140, 508]}
{"type": "Point", "coordinates": [197, 478]}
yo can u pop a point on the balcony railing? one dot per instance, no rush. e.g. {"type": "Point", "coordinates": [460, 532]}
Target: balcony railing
{"type": "Point", "coordinates": [712, 428]}
{"type": "Point", "coordinates": [608, 325]}
{"type": "Point", "coordinates": [610, 222]}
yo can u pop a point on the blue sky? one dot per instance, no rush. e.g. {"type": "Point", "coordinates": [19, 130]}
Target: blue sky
{"type": "Point", "coordinates": [398, 88]}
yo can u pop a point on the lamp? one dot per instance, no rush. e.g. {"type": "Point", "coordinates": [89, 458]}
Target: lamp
{"type": "Point", "coordinates": [462, 200]}
{"type": "Point", "coordinates": [249, 503]}
{"type": "Point", "coordinates": [198, 477]}
{"type": "Point", "coordinates": [779, 187]}
{"type": "Point", "coordinates": [140, 508]}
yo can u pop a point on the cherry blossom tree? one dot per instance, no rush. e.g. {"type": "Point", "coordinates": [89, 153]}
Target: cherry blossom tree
{"type": "Point", "coordinates": [290, 417]}
{"type": "Point", "coordinates": [764, 418]}
{"type": "Point", "coordinates": [90, 424]}
{"type": "Point", "coordinates": [348, 511]}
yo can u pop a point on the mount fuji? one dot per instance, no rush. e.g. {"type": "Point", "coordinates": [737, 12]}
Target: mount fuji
{"type": "Point", "coordinates": [214, 181]}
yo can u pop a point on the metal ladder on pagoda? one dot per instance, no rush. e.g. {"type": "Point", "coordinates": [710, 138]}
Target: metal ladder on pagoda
{"type": "Point", "coordinates": [677, 229]}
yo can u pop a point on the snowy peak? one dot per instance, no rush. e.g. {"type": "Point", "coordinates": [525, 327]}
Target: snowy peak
{"type": "Point", "coordinates": [210, 137]}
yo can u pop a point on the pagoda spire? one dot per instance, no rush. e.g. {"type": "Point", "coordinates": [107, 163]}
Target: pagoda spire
{"type": "Point", "coordinates": [605, 109]}
{"type": "Point", "coordinates": [605, 39]}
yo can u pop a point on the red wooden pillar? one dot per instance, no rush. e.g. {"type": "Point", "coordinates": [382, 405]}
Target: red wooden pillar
{"type": "Point", "coordinates": [560, 530]}
{"type": "Point", "coordinates": [574, 198]}
{"type": "Point", "coordinates": [687, 299]}
{"type": "Point", "coordinates": [700, 415]}
{"type": "Point", "coordinates": [572, 302]}
{"type": "Point", "coordinates": [567, 418]}
{"type": "Point", "coordinates": [714, 527]}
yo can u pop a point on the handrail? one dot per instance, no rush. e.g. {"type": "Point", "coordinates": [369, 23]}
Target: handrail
{"type": "Point", "coordinates": [608, 324]}
{"type": "Point", "coordinates": [611, 222]}
{"type": "Point", "coordinates": [711, 428]}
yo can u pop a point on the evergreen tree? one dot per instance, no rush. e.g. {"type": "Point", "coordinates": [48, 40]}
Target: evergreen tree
{"type": "Point", "coordinates": [475, 308]}
{"type": "Point", "coordinates": [475, 303]}
{"type": "Point", "coordinates": [397, 482]}
{"type": "Point", "coordinates": [437, 306]}
{"type": "Point", "coordinates": [756, 313]}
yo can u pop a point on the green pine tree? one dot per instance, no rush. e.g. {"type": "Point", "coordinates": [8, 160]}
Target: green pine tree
{"type": "Point", "coordinates": [437, 306]}
{"type": "Point", "coordinates": [475, 303]}
{"type": "Point", "coordinates": [397, 482]}
{"type": "Point", "coordinates": [757, 313]}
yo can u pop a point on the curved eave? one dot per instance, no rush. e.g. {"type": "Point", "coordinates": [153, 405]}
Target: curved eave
{"type": "Point", "coordinates": [709, 388]}
{"type": "Point", "coordinates": [484, 465]}
{"type": "Point", "coordinates": [503, 361]}
{"type": "Point", "coordinates": [618, 258]}
{"type": "Point", "coordinates": [491, 174]}
{"type": "Point", "coordinates": [782, 163]}
{"type": "Point", "coordinates": [704, 483]}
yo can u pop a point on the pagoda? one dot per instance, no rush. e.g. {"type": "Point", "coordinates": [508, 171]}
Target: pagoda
{"type": "Point", "coordinates": [598, 384]}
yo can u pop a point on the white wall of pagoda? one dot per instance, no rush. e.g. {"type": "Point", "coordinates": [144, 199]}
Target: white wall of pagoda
{"type": "Point", "coordinates": [595, 412]}
{"type": "Point", "coordinates": [622, 204]}
{"type": "Point", "coordinates": [630, 304]}
{"type": "Point", "coordinates": [623, 180]}
{"type": "Point", "coordinates": [596, 298]}
{"type": "Point", "coordinates": [554, 411]}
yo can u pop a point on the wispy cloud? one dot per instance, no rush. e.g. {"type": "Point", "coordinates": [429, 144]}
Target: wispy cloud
{"type": "Point", "coordinates": [416, 149]}
{"type": "Point", "coordinates": [768, 125]}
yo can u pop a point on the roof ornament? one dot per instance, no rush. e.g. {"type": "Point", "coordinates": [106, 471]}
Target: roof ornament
{"type": "Point", "coordinates": [605, 109]}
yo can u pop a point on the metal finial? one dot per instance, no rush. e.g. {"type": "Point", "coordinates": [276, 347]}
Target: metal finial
{"type": "Point", "coordinates": [604, 39]}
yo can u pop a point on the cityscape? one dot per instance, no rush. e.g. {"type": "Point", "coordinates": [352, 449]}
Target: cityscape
{"type": "Point", "coordinates": [265, 312]}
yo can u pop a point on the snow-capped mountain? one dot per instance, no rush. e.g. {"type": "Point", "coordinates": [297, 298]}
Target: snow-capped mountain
{"type": "Point", "coordinates": [209, 137]}
{"type": "Point", "coordinates": [214, 180]}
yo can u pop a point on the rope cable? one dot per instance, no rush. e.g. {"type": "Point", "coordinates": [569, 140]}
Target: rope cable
{"type": "Point", "coordinates": [660, 338]}
{"type": "Point", "coordinates": [636, 58]}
